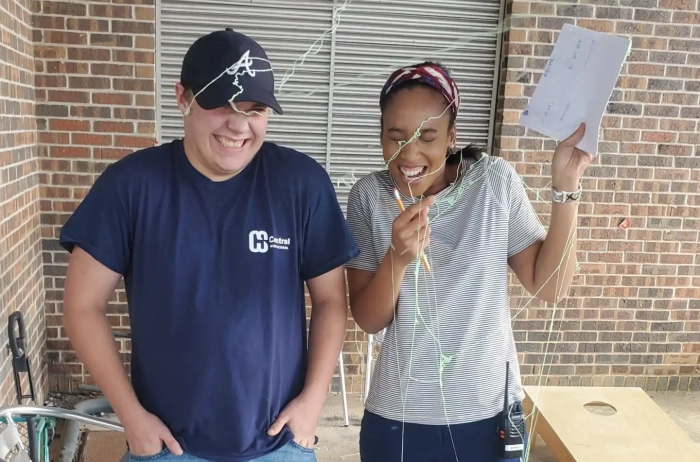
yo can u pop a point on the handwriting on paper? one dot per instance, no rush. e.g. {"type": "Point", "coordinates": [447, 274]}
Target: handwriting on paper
{"type": "Point", "coordinates": [576, 85]}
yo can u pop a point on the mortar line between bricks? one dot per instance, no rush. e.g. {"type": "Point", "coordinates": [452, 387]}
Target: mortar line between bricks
{"type": "Point", "coordinates": [89, 17]}
{"type": "Point", "coordinates": [15, 66]}
{"type": "Point", "coordinates": [113, 61]}
{"type": "Point", "coordinates": [16, 132]}
{"type": "Point", "coordinates": [91, 91]}
{"type": "Point", "coordinates": [26, 192]}
{"type": "Point", "coordinates": [12, 299]}
{"type": "Point", "coordinates": [28, 281]}
{"type": "Point", "coordinates": [20, 39]}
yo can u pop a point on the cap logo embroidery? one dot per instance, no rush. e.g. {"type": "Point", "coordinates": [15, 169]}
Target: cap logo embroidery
{"type": "Point", "coordinates": [245, 62]}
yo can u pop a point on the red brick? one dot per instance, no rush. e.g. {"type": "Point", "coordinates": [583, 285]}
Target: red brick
{"type": "Point", "coordinates": [632, 82]}
{"type": "Point", "coordinates": [49, 22]}
{"type": "Point", "coordinates": [112, 70]}
{"type": "Point", "coordinates": [114, 127]}
{"type": "Point", "coordinates": [111, 153]}
{"type": "Point", "coordinates": [145, 42]}
{"type": "Point", "coordinates": [145, 72]}
{"type": "Point", "coordinates": [89, 83]}
{"type": "Point", "coordinates": [63, 37]}
{"type": "Point", "coordinates": [49, 52]}
{"type": "Point", "coordinates": [677, 4]}
{"type": "Point", "coordinates": [88, 25]}
{"type": "Point", "coordinates": [91, 139]}
{"type": "Point", "coordinates": [69, 125]}
{"type": "Point", "coordinates": [145, 101]}
{"type": "Point", "coordinates": [50, 81]}
{"type": "Point", "coordinates": [597, 25]}
{"type": "Point", "coordinates": [144, 14]}
{"type": "Point", "coordinates": [63, 8]}
{"type": "Point", "coordinates": [111, 11]}
{"type": "Point", "coordinates": [88, 54]}
{"type": "Point", "coordinates": [69, 151]}
{"type": "Point", "coordinates": [146, 128]}
{"type": "Point", "coordinates": [134, 85]}
{"type": "Point", "coordinates": [111, 40]}
{"type": "Point", "coordinates": [133, 141]}
{"type": "Point", "coordinates": [68, 96]}
{"type": "Point", "coordinates": [684, 17]}
{"type": "Point", "coordinates": [141, 57]}
{"type": "Point", "coordinates": [62, 67]}
{"type": "Point", "coordinates": [112, 98]}
{"type": "Point", "coordinates": [664, 137]}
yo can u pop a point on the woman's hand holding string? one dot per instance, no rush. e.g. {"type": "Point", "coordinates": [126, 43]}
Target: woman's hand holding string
{"type": "Point", "coordinates": [411, 232]}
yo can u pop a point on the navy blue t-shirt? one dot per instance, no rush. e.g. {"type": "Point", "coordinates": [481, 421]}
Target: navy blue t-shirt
{"type": "Point", "coordinates": [214, 275]}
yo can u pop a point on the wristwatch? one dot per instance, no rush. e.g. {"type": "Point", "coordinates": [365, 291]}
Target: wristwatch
{"type": "Point", "coordinates": [563, 197]}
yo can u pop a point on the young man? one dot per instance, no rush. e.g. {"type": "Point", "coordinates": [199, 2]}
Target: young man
{"type": "Point", "coordinates": [215, 236]}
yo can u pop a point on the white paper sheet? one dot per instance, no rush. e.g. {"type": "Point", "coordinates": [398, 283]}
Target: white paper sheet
{"type": "Point", "coordinates": [576, 85]}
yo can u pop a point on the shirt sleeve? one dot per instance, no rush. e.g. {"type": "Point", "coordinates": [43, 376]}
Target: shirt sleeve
{"type": "Point", "coordinates": [101, 224]}
{"type": "Point", "coordinates": [328, 243]}
{"type": "Point", "coordinates": [524, 227]}
{"type": "Point", "coordinates": [360, 202]}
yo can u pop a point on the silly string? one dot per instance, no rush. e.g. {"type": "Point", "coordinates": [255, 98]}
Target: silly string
{"type": "Point", "coordinates": [246, 66]}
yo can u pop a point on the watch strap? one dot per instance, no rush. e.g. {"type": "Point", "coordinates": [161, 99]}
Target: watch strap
{"type": "Point", "coordinates": [563, 197]}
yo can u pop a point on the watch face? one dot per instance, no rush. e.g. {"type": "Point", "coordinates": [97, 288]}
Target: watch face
{"type": "Point", "coordinates": [561, 196]}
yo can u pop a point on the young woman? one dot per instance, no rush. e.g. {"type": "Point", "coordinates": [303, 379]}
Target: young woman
{"type": "Point", "coordinates": [436, 275]}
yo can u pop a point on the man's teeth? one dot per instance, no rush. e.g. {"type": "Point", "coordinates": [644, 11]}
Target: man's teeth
{"type": "Point", "coordinates": [409, 172]}
{"type": "Point", "coordinates": [229, 143]}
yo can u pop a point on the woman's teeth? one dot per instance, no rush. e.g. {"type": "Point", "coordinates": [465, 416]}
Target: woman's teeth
{"type": "Point", "coordinates": [229, 143]}
{"type": "Point", "coordinates": [411, 172]}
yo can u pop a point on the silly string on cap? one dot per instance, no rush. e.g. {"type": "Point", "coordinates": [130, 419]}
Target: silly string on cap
{"type": "Point", "coordinates": [245, 62]}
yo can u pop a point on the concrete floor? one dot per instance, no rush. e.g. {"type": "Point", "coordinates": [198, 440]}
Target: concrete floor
{"type": "Point", "coordinates": [338, 443]}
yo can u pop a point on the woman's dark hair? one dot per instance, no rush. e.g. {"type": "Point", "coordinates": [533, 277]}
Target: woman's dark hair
{"type": "Point", "coordinates": [470, 151]}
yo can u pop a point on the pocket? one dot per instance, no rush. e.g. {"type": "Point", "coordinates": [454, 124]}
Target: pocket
{"type": "Point", "coordinates": [161, 455]}
{"type": "Point", "coordinates": [299, 447]}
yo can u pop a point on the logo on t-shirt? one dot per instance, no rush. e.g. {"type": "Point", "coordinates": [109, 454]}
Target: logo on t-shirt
{"type": "Point", "coordinates": [261, 242]}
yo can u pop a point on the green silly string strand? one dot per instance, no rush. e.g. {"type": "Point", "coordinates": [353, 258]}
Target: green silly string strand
{"type": "Point", "coordinates": [442, 205]}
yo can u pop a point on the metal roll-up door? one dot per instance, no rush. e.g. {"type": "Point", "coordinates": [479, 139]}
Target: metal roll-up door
{"type": "Point", "coordinates": [286, 30]}
{"type": "Point", "coordinates": [374, 38]}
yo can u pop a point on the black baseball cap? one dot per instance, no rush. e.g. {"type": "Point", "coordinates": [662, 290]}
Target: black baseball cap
{"type": "Point", "coordinates": [210, 56]}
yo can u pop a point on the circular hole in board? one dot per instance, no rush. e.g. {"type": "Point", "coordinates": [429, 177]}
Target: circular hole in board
{"type": "Point", "coordinates": [600, 408]}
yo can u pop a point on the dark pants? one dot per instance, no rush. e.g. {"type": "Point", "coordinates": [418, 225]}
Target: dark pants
{"type": "Point", "coordinates": [381, 440]}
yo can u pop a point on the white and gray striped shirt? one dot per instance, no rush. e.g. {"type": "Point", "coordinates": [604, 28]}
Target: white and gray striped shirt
{"type": "Point", "coordinates": [457, 317]}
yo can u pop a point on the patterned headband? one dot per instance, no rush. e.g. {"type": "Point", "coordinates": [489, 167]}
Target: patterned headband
{"type": "Point", "coordinates": [429, 74]}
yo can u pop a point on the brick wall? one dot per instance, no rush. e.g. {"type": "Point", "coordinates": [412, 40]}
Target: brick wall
{"type": "Point", "coordinates": [633, 316]}
{"type": "Point", "coordinates": [21, 285]}
{"type": "Point", "coordinates": [95, 103]}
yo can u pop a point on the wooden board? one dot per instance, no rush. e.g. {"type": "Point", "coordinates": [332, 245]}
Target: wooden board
{"type": "Point", "coordinates": [639, 430]}
{"type": "Point", "coordinates": [104, 446]}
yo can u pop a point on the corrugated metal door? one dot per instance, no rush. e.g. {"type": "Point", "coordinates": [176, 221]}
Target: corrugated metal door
{"type": "Point", "coordinates": [339, 127]}
{"type": "Point", "coordinates": [375, 37]}
{"type": "Point", "coordinates": [286, 30]}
